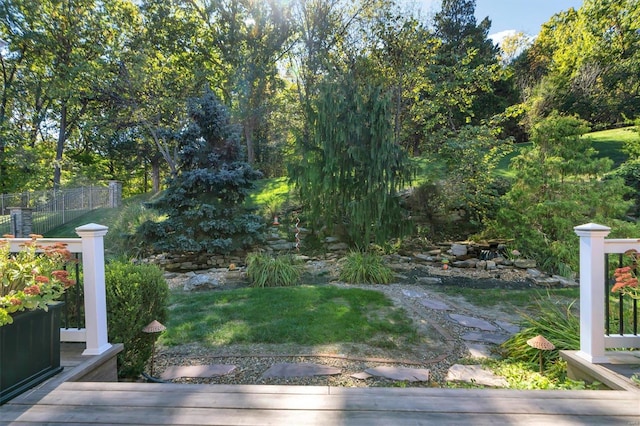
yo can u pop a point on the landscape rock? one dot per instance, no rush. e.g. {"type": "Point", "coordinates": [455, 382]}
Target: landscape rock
{"type": "Point", "coordinates": [199, 282]}
{"type": "Point", "coordinates": [473, 322]}
{"type": "Point", "coordinates": [532, 272]}
{"type": "Point", "coordinates": [361, 376]}
{"type": "Point", "coordinates": [545, 281]}
{"type": "Point", "coordinates": [524, 263]}
{"type": "Point", "coordinates": [459, 250]}
{"type": "Point", "coordinates": [429, 280]}
{"type": "Point", "coordinates": [479, 351]}
{"type": "Point", "coordinates": [484, 336]}
{"type": "Point", "coordinates": [469, 263]}
{"type": "Point", "coordinates": [424, 257]}
{"type": "Point", "coordinates": [566, 282]}
{"type": "Point", "coordinates": [400, 373]}
{"type": "Point", "coordinates": [475, 374]}
{"type": "Point", "coordinates": [435, 305]}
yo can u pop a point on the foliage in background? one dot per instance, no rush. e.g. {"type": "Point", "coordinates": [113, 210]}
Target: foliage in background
{"type": "Point", "coordinates": [264, 270]}
{"type": "Point", "coordinates": [558, 184]}
{"type": "Point", "coordinates": [470, 157]}
{"type": "Point", "coordinates": [351, 170]}
{"type": "Point", "coordinates": [204, 201]}
{"type": "Point", "coordinates": [585, 61]}
{"type": "Point", "coordinates": [136, 296]}
{"type": "Point", "coordinates": [365, 268]}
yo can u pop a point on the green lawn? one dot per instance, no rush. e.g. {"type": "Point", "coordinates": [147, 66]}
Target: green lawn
{"type": "Point", "coordinates": [305, 315]}
{"type": "Point", "coordinates": [609, 143]}
{"type": "Point", "coordinates": [508, 299]}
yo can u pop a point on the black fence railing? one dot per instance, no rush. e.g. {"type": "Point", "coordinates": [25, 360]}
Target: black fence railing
{"type": "Point", "coordinates": [621, 312]}
{"type": "Point", "coordinates": [73, 315]}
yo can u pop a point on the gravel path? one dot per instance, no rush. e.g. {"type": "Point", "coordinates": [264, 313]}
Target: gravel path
{"type": "Point", "coordinates": [440, 344]}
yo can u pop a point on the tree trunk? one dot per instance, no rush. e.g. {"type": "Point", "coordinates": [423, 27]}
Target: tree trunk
{"type": "Point", "coordinates": [248, 135]}
{"type": "Point", "coordinates": [62, 136]}
{"type": "Point", "coordinates": [155, 175]}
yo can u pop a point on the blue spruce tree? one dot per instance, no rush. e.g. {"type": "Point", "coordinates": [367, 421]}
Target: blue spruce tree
{"type": "Point", "coordinates": [204, 200]}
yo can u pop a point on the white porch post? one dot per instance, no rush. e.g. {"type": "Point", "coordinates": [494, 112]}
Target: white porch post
{"type": "Point", "coordinates": [592, 273]}
{"type": "Point", "coordinates": [95, 298]}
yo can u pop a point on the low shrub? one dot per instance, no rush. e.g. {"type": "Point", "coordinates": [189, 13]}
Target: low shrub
{"type": "Point", "coordinates": [263, 270]}
{"type": "Point", "coordinates": [365, 268]}
{"type": "Point", "coordinates": [136, 295]}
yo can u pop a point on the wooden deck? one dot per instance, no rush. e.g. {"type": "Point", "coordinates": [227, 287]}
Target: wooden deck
{"type": "Point", "coordinates": [90, 401]}
{"type": "Point", "coordinates": [76, 403]}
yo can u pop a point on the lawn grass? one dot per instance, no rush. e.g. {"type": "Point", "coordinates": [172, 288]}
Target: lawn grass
{"type": "Point", "coordinates": [609, 143]}
{"type": "Point", "coordinates": [102, 216]}
{"type": "Point", "coordinates": [507, 298]}
{"type": "Point", "coordinates": [305, 315]}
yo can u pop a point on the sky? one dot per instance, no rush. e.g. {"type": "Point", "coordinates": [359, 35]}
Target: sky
{"type": "Point", "coordinates": [511, 16]}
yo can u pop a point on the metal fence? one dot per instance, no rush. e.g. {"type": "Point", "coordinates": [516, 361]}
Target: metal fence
{"type": "Point", "coordinates": [51, 209]}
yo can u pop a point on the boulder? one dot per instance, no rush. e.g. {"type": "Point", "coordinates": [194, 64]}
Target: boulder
{"type": "Point", "coordinates": [459, 250]}
{"type": "Point", "coordinates": [202, 282]}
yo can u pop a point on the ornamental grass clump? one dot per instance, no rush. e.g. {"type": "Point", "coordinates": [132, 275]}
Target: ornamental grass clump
{"type": "Point", "coordinates": [264, 270]}
{"type": "Point", "coordinates": [558, 322]}
{"type": "Point", "coordinates": [365, 268]}
{"type": "Point", "coordinates": [32, 278]}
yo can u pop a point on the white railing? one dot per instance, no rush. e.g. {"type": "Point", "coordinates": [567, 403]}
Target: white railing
{"type": "Point", "coordinates": [594, 340]}
{"type": "Point", "coordinates": [91, 246]}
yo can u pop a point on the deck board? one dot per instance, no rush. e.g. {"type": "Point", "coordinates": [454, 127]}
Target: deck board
{"type": "Point", "coordinates": [172, 404]}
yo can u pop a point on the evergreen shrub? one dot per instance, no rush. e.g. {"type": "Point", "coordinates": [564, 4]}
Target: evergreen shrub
{"type": "Point", "coordinates": [136, 295]}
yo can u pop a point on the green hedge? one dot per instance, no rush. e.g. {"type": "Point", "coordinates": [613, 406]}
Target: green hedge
{"type": "Point", "coordinates": [136, 295]}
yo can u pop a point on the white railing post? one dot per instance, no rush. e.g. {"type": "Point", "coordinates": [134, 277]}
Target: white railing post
{"type": "Point", "coordinates": [95, 298]}
{"type": "Point", "coordinates": [592, 287]}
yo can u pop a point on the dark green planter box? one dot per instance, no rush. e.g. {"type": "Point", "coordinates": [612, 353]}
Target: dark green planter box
{"type": "Point", "coordinates": [29, 350]}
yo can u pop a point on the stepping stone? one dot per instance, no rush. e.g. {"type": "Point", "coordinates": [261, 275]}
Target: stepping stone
{"type": "Point", "coordinates": [473, 322]}
{"type": "Point", "coordinates": [361, 376]}
{"type": "Point", "coordinates": [508, 327]}
{"type": "Point", "coordinates": [482, 336]}
{"type": "Point", "coordinates": [412, 294]}
{"type": "Point", "coordinates": [286, 369]}
{"type": "Point", "coordinates": [179, 371]}
{"type": "Point", "coordinates": [475, 374]}
{"type": "Point", "coordinates": [400, 373]}
{"type": "Point", "coordinates": [479, 350]}
{"type": "Point", "coordinates": [435, 305]}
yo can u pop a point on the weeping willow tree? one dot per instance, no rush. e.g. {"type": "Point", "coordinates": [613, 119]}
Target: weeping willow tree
{"type": "Point", "coordinates": [350, 169]}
